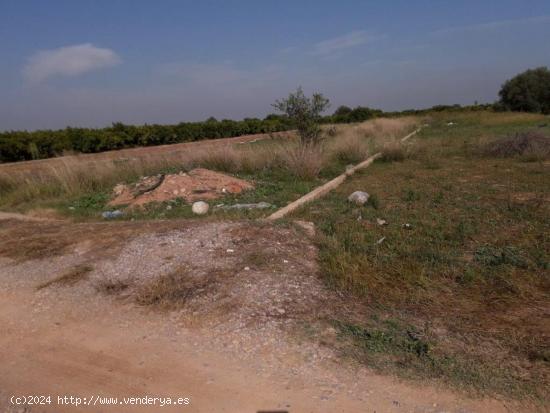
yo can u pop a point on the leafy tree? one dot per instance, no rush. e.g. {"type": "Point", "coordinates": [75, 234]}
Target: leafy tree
{"type": "Point", "coordinates": [342, 110]}
{"type": "Point", "coordinates": [527, 92]}
{"type": "Point", "coordinates": [305, 114]}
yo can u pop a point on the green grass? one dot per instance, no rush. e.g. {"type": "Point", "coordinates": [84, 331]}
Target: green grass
{"type": "Point", "coordinates": [276, 187]}
{"type": "Point", "coordinates": [392, 346]}
{"type": "Point", "coordinates": [472, 263]}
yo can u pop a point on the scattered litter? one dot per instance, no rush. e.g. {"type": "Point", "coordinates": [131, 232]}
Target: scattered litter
{"type": "Point", "coordinates": [259, 205]}
{"type": "Point", "coordinates": [112, 214]}
{"type": "Point", "coordinates": [381, 221]}
{"type": "Point", "coordinates": [450, 123]}
{"type": "Point", "coordinates": [285, 261]}
{"type": "Point", "coordinates": [359, 197]}
{"type": "Point", "coordinates": [407, 226]}
{"type": "Point", "coordinates": [229, 250]}
{"type": "Point", "coordinates": [72, 208]}
{"type": "Point", "coordinates": [380, 241]}
{"type": "Point", "coordinates": [168, 207]}
{"type": "Point", "coordinates": [197, 184]}
{"type": "Point", "coordinates": [200, 208]}
{"type": "Point", "coordinates": [247, 268]}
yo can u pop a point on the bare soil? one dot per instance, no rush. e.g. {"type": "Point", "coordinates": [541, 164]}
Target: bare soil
{"type": "Point", "coordinates": [237, 343]}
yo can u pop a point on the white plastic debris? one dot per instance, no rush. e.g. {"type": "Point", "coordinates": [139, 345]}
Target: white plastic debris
{"type": "Point", "coordinates": [112, 214]}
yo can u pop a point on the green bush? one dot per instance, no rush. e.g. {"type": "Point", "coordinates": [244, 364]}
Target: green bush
{"type": "Point", "coordinates": [527, 92]}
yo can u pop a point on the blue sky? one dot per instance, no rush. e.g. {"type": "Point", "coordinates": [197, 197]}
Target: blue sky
{"type": "Point", "coordinates": [90, 63]}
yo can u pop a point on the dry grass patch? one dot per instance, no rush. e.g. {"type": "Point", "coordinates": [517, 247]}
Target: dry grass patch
{"type": "Point", "coordinates": [393, 152]}
{"type": "Point", "coordinates": [304, 161]}
{"type": "Point", "coordinates": [58, 179]}
{"type": "Point", "coordinates": [71, 277]}
{"type": "Point", "coordinates": [530, 145]}
{"type": "Point", "coordinates": [175, 289]}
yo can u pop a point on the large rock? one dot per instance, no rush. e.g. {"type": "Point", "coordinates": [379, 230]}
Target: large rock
{"type": "Point", "coordinates": [359, 197]}
{"type": "Point", "coordinates": [200, 207]}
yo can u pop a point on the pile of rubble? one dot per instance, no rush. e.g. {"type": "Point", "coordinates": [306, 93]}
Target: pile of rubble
{"type": "Point", "coordinates": [197, 184]}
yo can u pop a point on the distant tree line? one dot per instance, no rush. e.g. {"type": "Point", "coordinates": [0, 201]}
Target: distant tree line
{"type": "Point", "coordinates": [40, 144]}
{"type": "Point", "coordinates": [24, 145]}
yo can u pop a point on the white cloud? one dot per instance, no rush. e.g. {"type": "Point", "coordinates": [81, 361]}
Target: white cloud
{"type": "Point", "coordinates": [346, 41]}
{"type": "Point", "coordinates": [494, 25]}
{"type": "Point", "coordinates": [68, 61]}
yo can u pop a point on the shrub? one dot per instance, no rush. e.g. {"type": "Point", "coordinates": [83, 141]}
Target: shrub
{"type": "Point", "coordinates": [526, 144]}
{"type": "Point", "coordinates": [393, 153]}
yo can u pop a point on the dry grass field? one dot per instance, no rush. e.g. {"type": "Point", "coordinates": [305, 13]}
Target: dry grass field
{"type": "Point", "coordinates": [441, 279]}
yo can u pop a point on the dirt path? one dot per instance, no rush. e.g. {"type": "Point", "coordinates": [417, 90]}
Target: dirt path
{"type": "Point", "coordinates": [70, 340]}
{"type": "Point", "coordinates": [109, 350]}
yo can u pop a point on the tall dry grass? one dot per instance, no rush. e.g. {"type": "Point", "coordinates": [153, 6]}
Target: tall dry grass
{"type": "Point", "coordinates": [74, 176]}
{"type": "Point", "coordinates": [354, 143]}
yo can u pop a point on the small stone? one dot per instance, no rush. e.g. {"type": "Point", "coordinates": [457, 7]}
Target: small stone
{"type": "Point", "coordinates": [359, 197]}
{"type": "Point", "coordinates": [112, 214]}
{"type": "Point", "coordinates": [200, 208]}
{"type": "Point", "coordinates": [307, 226]}
{"type": "Point", "coordinates": [168, 207]}
{"type": "Point", "coordinates": [381, 221]}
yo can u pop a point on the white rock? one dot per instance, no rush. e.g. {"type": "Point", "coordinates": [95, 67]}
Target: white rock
{"type": "Point", "coordinates": [359, 197]}
{"type": "Point", "coordinates": [200, 208]}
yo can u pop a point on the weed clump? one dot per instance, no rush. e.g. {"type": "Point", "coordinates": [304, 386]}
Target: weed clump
{"type": "Point", "coordinates": [529, 145]}
{"type": "Point", "coordinates": [494, 256]}
{"type": "Point", "coordinates": [174, 289]}
{"type": "Point", "coordinates": [393, 153]}
{"type": "Point", "coordinates": [70, 277]}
